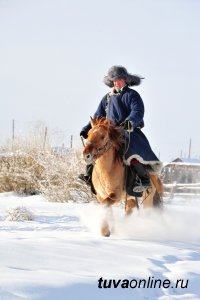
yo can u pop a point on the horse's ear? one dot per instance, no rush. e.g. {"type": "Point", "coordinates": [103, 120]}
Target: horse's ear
{"type": "Point", "coordinates": [92, 121]}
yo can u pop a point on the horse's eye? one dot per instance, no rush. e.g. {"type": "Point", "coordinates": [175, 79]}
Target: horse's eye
{"type": "Point", "coordinates": [102, 137]}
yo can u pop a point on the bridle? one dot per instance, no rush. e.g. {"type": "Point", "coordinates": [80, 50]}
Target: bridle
{"type": "Point", "coordinates": [101, 150]}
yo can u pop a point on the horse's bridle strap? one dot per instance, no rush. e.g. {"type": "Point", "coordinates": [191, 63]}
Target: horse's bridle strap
{"type": "Point", "coordinates": [104, 149]}
{"type": "Point", "coordinates": [101, 150]}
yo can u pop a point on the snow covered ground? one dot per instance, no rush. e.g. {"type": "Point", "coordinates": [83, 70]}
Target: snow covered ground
{"type": "Point", "coordinates": [61, 255]}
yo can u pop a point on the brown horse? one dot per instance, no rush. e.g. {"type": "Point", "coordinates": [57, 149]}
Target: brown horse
{"type": "Point", "coordinates": [108, 177]}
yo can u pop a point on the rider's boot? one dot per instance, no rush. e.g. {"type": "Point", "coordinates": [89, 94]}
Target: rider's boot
{"type": "Point", "coordinates": [87, 177]}
{"type": "Point", "coordinates": [144, 181]}
{"type": "Point", "coordinates": [130, 182]}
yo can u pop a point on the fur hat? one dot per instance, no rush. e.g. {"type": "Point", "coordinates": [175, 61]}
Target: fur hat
{"type": "Point", "coordinates": [119, 72]}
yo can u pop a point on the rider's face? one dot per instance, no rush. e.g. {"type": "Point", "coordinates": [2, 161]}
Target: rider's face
{"type": "Point", "coordinates": [119, 83]}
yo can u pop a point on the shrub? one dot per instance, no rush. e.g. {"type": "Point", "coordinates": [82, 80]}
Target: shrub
{"type": "Point", "coordinates": [18, 214]}
{"type": "Point", "coordinates": [33, 167]}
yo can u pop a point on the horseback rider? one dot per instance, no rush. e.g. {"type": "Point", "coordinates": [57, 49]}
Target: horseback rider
{"type": "Point", "coordinates": [125, 108]}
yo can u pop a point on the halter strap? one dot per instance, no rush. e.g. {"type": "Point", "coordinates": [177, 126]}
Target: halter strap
{"type": "Point", "coordinates": [100, 150]}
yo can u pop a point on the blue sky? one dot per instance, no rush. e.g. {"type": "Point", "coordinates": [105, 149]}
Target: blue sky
{"type": "Point", "coordinates": [55, 53]}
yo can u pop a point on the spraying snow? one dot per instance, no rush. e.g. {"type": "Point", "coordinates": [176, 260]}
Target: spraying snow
{"type": "Point", "coordinates": [61, 255]}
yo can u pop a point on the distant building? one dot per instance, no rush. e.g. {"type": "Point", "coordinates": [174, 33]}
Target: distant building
{"type": "Point", "coordinates": [182, 175]}
{"type": "Point", "coordinates": [182, 170]}
{"type": "Point", "coordinates": [187, 160]}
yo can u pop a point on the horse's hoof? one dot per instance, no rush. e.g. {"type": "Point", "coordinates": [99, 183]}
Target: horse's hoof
{"type": "Point", "coordinates": [105, 232]}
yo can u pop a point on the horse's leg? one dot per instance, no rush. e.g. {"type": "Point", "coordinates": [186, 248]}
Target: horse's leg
{"type": "Point", "coordinates": [156, 182]}
{"type": "Point", "coordinates": [105, 231]}
{"type": "Point", "coordinates": [148, 196]}
{"type": "Point", "coordinates": [105, 228]}
{"type": "Point", "coordinates": [130, 205]}
{"type": "Point", "coordinates": [157, 198]}
{"type": "Point", "coordinates": [107, 213]}
{"type": "Point", "coordinates": [109, 200]}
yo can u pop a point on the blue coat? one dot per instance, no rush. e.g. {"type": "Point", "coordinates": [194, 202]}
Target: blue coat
{"type": "Point", "coordinates": [127, 105]}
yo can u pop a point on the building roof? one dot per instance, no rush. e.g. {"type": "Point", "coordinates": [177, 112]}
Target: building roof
{"type": "Point", "coordinates": [187, 160]}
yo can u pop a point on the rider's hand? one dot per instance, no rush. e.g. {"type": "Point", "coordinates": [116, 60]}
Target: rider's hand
{"type": "Point", "coordinates": [83, 134]}
{"type": "Point", "coordinates": [127, 125]}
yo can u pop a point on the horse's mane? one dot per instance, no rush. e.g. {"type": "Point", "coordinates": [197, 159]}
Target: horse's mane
{"type": "Point", "coordinates": [114, 132]}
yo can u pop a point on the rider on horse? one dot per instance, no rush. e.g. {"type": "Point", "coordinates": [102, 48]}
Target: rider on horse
{"type": "Point", "coordinates": [125, 108]}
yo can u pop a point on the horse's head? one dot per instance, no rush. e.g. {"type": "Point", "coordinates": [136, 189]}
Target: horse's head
{"type": "Point", "coordinates": [101, 137]}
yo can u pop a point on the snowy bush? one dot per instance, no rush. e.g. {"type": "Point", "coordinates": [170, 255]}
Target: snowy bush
{"type": "Point", "coordinates": [33, 167]}
{"type": "Point", "coordinates": [60, 178]}
{"type": "Point", "coordinates": [19, 172]}
{"type": "Point", "coordinates": [18, 214]}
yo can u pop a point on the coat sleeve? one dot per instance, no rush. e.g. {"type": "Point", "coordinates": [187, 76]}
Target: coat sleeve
{"type": "Point", "coordinates": [100, 112]}
{"type": "Point", "coordinates": [136, 107]}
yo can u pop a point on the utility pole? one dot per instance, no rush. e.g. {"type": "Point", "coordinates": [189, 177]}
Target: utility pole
{"type": "Point", "coordinates": [190, 144]}
{"type": "Point", "coordinates": [71, 141]}
{"type": "Point", "coordinates": [45, 138]}
{"type": "Point", "coordinates": [13, 132]}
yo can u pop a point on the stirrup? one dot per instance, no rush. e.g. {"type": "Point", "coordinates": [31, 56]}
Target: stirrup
{"type": "Point", "coordinates": [84, 178]}
{"type": "Point", "coordinates": [141, 188]}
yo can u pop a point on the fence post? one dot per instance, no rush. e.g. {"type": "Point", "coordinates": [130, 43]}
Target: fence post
{"type": "Point", "coordinates": [45, 138]}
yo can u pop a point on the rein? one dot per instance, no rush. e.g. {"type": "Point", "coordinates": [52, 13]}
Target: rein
{"type": "Point", "coordinates": [82, 140]}
{"type": "Point", "coordinates": [127, 144]}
